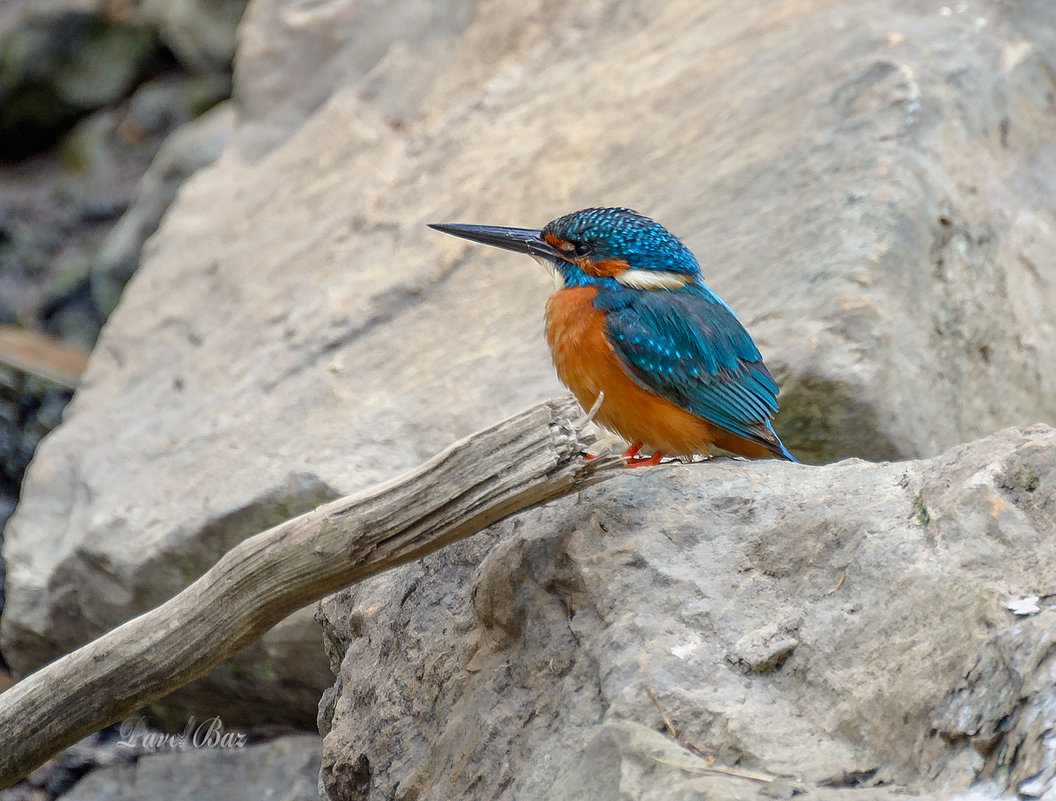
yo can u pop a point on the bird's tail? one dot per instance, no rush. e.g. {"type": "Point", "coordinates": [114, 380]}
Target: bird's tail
{"type": "Point", "coordinates": [784, 451]}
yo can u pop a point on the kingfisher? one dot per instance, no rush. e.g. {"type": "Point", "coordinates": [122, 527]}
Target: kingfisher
{"type": "Point", "coordinates": [632, 322]}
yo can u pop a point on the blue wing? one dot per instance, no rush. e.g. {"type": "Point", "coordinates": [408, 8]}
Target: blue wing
{"type": "Point", "coordinates": [688, 347]}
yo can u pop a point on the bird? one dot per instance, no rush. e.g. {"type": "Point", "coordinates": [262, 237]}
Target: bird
{"type": "Point", "coordinates": [632, 322]}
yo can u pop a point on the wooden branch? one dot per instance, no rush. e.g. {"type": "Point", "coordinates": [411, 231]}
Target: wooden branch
{"type": "Point", "coordinates": [526, 460]}
{"type": "Point", "coordinates": [42, 356]}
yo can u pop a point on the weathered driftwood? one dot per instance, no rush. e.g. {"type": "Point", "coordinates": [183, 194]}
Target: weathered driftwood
{"type": "Point", "coordinates": [42, 356]}
{"type": "Point", "coordinates": [528, 459]}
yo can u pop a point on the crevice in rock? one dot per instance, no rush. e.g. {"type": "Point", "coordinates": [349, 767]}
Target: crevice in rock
{"type": "Point", "coordinates": [825, 419]}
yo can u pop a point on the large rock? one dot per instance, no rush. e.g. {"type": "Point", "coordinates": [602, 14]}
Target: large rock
{"type": "Point", "coordinates": [878, 209]}
{"type": "Point", "coordinates": [192, 146]}
{"type": "Point", "coordinates": [889, 626]}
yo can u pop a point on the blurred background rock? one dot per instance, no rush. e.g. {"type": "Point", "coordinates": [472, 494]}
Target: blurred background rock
{"type": "Point", "coordinates": [105, 108]}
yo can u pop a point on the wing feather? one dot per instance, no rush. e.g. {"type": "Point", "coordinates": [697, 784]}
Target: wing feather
{"type": "Point", "coordinates": [687, 346]}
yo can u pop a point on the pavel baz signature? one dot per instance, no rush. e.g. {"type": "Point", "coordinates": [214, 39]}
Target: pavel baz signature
{"type": "Point", "coordinates": [209, 733]}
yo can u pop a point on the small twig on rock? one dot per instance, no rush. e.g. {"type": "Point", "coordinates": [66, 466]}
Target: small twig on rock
{"type": "Point", "coordinates": [594, 408]}
{"type": "Point", "coordinates": [42, 356]}
{"type": "Point", "coordinates": [843, 578]}
{"type": "Point", "coordinates": [702, 751]}
{"type": "Point", "coordinates": [715, 770]}
{"type": "Point", "coordinates": [671, 732]}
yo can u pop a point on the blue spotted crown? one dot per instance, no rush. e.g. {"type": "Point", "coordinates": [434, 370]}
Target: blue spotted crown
{"type": "Point", "coordinates": [624, 234]}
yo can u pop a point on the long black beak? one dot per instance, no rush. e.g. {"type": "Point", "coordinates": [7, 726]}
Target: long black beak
{"type": "Point", "coordinates": [519, 240]}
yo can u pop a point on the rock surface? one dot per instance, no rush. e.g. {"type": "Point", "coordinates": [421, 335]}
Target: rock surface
{"type": "Point", "coordinates": [192, 146]}
{"type": "Point", "coordinates": [286, 768]}
{"type": "Point", "coordinates": [878, 210]}
{"type": "Point", "coordinates": [848, 625]}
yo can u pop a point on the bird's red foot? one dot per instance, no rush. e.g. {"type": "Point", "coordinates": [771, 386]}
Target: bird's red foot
{"type": "Point", "coordinates": [634, 460]}
{"type": "Point", "coordinates": [632, 451]}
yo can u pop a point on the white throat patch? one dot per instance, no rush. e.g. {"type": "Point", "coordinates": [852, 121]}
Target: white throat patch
{"type": "Point", "coordinates": [653, 279]}
{"type": "Point", "coordinates": [551, 267]}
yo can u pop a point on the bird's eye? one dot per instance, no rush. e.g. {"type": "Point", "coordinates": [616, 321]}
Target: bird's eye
{"type": "Point", "coordinates": [581, 249]}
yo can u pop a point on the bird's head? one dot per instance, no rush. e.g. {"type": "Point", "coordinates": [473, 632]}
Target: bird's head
{"type": "Point", "coordinates": [609, 246]}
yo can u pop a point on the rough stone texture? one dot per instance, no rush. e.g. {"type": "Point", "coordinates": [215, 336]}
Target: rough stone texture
{"type": "Point", "coordinates": [286, 769]}
{"type": "Point", "coordinates": [844, 624]}
{"type": "Point", "coordinates": [878, 210]}
{"type": "Point", "coordinates": [191, 147]}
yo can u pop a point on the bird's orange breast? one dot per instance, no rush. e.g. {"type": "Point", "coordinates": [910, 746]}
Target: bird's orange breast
{"type": "Point", "coordinates": [587, 365]}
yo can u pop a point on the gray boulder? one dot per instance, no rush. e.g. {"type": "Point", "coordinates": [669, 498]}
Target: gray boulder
{"type": "Point", "coordinates": [728, 630]}
{"type": "Point", "coordinates": [190, 147]}
{"type": "Point", "coordinates": [63, 59]}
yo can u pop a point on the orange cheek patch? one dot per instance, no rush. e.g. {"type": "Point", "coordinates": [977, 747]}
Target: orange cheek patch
{"type": "Point", "coordinates": [602, 268]}
{"type": "Point", "coordinates": [553, 240]}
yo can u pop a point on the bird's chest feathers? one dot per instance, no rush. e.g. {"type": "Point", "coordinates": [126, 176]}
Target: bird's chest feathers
{"type": "Point", "coordinates": [575, 331]}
